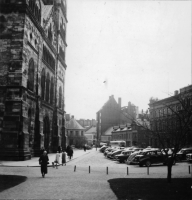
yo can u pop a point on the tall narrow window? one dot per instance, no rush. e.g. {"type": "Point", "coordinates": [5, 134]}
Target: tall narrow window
{"type": "Point", "coordinates": [31, 73]}
{"type": "Point", "coordinates": [47, 87]}
{"type": "Point", "coordinates": [60, 96]}
{"type": "Point", "coordinates": [52, 91]}
{"type": "Point", "coordinates": [43, 84]}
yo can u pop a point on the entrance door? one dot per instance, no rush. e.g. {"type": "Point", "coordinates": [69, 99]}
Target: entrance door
{"type": "Point", "coordinates": [46, 132]}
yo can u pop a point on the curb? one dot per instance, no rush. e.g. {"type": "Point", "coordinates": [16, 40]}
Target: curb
{"type": "Point", "coordinates": [2, 165]}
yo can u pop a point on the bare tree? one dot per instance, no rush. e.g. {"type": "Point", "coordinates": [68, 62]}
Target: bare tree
{"type": "Point", "coordinates": [169, 123]}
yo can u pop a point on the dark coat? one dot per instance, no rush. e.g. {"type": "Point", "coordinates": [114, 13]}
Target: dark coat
{"type": "Point", "coordinates": [43, 161]}
{"type": "Point", "coordinates": [70, 152]}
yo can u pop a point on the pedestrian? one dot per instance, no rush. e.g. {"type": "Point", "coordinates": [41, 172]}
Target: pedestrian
{"type": "Point", "coordinates": [70, 153]}
{"type": "Point", "coordinates": [64, 155]}
{"type": "Point", "coordinates": [67, 149]}
{"type": "Point", "coordinates": [57, 156]}
{"type": "Point", "coordinates": [42, 150]}
{"type": "Point", "coordinates": [84, 147]}
{"type": "Point", "coordinates": [59, 149]}
{"type": "Point", "coordinates": [44, 161]}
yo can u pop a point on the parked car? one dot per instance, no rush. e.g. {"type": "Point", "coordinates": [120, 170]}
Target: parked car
{"type": "Point", "coordinates": [150, 157]}
{"type": "Point", "coordinates": [108, 150]}
{"type": "Point", "coordinates": [181, 155]}
{"type": "Point", "coordinates": [189, 157]}
{"type": "Point", "coordinates": [131, 157]}
{"type": "Point", "coordinates": [102, 149]}
{"type": "Point", "coordinates": [112, 155]}
{"type": "Point", "coordinates": [123, 156]}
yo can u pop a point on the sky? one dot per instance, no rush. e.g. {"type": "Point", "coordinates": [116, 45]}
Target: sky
{"type": "Point", "coordinates": [130, 49]}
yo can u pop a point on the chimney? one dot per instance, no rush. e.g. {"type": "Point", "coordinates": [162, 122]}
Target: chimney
{"type": "Point", "coordinates": [119, 102]}
{"type": "Point", "coordinates": [176, 92]}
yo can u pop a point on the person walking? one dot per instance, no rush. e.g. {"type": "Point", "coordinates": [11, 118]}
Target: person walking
{"type": "Point", "coordinates": [57, 156]}
{"type": "Point", "coordinates": [59, 149]}
{"type": "Point", "coordinates": [70, 153]}
{"type": "Point", "coordinates": [84, 147]}
{"type": "Point", "coordinates": [44, 161]}
{"type": "Point", "coordinates": [64, 156]}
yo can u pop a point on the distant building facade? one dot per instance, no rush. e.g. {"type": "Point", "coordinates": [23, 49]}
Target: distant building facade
{"type": "Point", "coordinates": [113, 115]}
{"type": "Point", "coordinates": [75, 132]}
{"type": "Point", "coordinates": [126, 133]}
{"type": "Point", "coordinates": [108, 116]}
{"type": "Point", "coordinates": [162, 117]}
{"type": "Point", "coordinates": [91, 134]}
{"type": "Point", "coordinates": [32, 77]}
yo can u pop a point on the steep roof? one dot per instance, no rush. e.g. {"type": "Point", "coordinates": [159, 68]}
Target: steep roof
{"type": "Point", "coordinates": [73, 124]}
{"type": "Point", "coordinates": [108, 131]}
{"type": "Point", "coordinates": [110, 102]}
{"type": "Point", "coordinates": [91, 130]}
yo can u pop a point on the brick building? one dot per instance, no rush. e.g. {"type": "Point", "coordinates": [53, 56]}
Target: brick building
{"type": "Point", "coordinates": [108, 116]}
{"type": "Point", "coordinates": [32, 77]}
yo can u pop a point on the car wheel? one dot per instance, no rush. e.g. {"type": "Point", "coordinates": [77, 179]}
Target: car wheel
{"type": "Point", "coordinates": [147, 163]}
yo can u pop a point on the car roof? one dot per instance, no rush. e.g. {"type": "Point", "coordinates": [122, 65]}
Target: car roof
{"type": "Point", "coordinates": [190, 148]}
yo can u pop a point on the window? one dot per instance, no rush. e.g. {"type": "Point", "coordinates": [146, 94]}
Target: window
{"type": "Point", "coordinates": [47, 87]}
{"type": "Point", "coordinates": [48, 58]}
{"type": "Point", "coordinates": [36, 10]}
{"type": "Point", "coordinates": [50, 36]}
{"type": "Point", "coordinates": [60, 96]}
{"type": "Point", "coordinates": [31, 73]}
{"type": "Point", "coordinates": [52, 91]}
{"type": "Point", "coordinates": [76, 133]}
{"type": "Point", "coordinates": [43, 84]}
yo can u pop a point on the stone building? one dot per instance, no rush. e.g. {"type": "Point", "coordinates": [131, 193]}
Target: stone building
{"type": "Point", "coordinates": [32, 77]}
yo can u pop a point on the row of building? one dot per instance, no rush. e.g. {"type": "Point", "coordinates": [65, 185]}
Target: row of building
{"type": "Point", "coordinates": [167, 120]}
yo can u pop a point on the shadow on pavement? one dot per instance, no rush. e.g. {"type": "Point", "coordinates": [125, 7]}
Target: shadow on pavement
{"type": "Point", "coordinates": [8, 181]}
{"type": "Point", "coordinates": [150, 189]}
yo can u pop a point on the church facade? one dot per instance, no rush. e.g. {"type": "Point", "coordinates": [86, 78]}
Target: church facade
{"type": "Point", "coordinates": [32, 77]}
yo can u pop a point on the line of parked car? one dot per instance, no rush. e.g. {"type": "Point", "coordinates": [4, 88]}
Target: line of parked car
{"type": "Point", "coordinates": [144, 157]}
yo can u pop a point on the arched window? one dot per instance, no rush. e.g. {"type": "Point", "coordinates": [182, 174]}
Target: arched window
{"type": "Point", "coordinates": [60, 96]}
{"type": "Point", "coordinates": [31, 73]}
{"type": "Point", "coordinates": [47, 87]}
{"type": "Point", "coordinates": [43, 84]}
{"type": "Point", "coordinates": [52, 91]}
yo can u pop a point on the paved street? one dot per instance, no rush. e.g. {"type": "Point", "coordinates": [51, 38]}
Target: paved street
{"type": "Point", "coordinates": [64, 183]}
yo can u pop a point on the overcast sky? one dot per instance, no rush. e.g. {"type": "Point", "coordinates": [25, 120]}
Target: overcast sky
{"type": "Point", "coordinates": [129, 49]}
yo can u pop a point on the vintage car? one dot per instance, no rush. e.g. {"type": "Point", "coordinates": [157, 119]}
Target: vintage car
{"type": "Point", "coordinates": [112, 155]}
{"type": "Point", "coordinates": [181, 155]}
{"type": "Point", "coordinates": [102, 149]}
{"type": "Point", "coordinates": [123, 156]}
{"type": "Point", "coordinates": [150, 157]}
